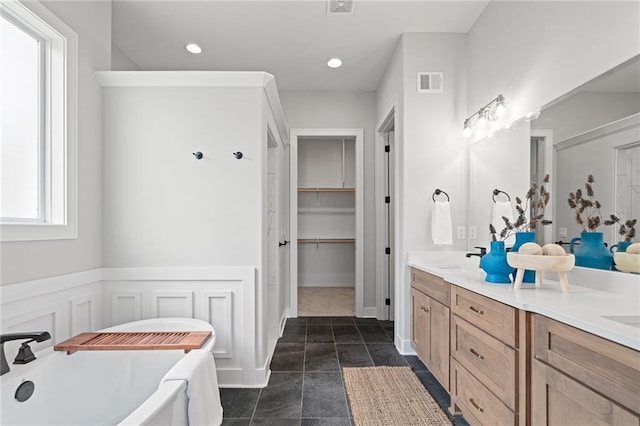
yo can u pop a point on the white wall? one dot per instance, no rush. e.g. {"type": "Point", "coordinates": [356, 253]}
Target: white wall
{"type": "Point", "coordinates": [22, 261]}
{"type": "Point", "coordinates": [433, 154]}
{"type": "Point", "coordinates": [533, 52]}
{"type": "Point", "coordinates": [162, 207]}
{"type": "Point", "coordinates": [331, 110]}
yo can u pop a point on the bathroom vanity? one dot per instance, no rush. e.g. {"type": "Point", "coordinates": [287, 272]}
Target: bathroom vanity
{"type": "Point", "coordinates": [528, 356]}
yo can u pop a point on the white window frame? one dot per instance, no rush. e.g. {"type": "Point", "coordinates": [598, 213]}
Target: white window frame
{"type": "Point", "coordinates": [59, 125]}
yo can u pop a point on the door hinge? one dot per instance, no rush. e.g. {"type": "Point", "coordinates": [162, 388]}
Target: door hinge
{"type": "Point", "coordinates": [387, 301]}
{"type": "Point", "coordinates": [387, 148]}
{"type": "Point", "coordinates": [387, 250]}
{"type": "Point", "coordinates": [387, 199]}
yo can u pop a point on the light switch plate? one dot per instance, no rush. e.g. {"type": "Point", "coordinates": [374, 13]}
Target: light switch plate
{"type": "Point", "coordinates": [461, 233]}
{"type": "Point", "coordinates": [562, 232]}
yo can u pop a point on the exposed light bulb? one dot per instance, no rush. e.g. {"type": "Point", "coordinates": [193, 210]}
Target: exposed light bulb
{"type": "Point", "coordinates": [482, 118]}
{"type": "Point", "coordinates": [500, 108]}
{"type": "Point", "coordinates": [467, 132]}
{"type": "Point", "coordinates": [193, 48]}
{"type": "Point", "coordinates": [334, 63]}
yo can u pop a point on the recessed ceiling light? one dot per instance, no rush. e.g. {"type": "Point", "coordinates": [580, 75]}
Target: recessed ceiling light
{"type": "Point", "coordinates": [334, 63]}
{"type": "Point", "coordinates": [193, 48]}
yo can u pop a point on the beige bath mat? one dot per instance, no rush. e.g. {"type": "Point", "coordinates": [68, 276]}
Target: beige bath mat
{"type": "Point", "coordinates": [390, 396]}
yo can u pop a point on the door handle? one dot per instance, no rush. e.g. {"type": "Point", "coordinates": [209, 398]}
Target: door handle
{"type": "Point", "coordinates": [283, 244]}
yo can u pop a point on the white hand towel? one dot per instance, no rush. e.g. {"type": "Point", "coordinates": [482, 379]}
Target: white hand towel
{"type": "Point", "coordinates": [441, 227]}
{"type": "Point", "coordinates": [500, 209]}
{"type": "Point", "coordinates": [198, 369]}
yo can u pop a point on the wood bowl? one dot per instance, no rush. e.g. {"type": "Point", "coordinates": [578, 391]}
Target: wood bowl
{"type": "Point", "coordinates": [533, 262]}
{"type": "Point", "coordinates": [541, 263]}
{"type": "Point", "coordinates": [627, 262]}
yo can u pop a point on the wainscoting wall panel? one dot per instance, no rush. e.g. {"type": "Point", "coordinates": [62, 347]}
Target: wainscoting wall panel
{"type": "Point", "coordinates": [225, 297]}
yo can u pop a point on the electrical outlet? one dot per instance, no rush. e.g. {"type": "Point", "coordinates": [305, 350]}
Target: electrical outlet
{"type": "Point", "coordinates": [461, 233]}
{"type": "Point", "coordinates": [562, 232]}
{"type": "Point", "coordinates": [473, 233]}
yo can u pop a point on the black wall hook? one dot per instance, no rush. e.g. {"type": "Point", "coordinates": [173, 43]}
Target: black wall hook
{"type": "Point", "coordinates": [238, 155]}
{"type": "Point", "coordinates": [198, 155]}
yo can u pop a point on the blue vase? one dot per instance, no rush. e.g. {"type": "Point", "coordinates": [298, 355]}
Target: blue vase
{"type": "Point", "coordinates": [521, 238]}
{"type": "Point", "coordinates": [621, 246]}
{"type": "Point", "coordinates": [592, 253]}
{"type": "Point", "coordinates": [495, 264]}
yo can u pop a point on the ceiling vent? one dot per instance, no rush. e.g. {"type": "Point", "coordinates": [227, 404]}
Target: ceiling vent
{"type": "Point", "coordinates": [340, 7]}
{"type": "Point", "coordinates": [430, 82]}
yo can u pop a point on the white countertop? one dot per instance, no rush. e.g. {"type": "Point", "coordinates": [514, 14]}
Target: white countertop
{"type": "Point", "coordinates": [584, 307]}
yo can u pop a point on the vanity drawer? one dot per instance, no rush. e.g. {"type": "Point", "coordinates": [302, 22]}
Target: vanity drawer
{"type": "Point", "coordinates": [606, 367]}
{"type": "Point", "coordinates": [497, 319]}
{"type": "Point", "coordinates": [478, 405]}
{"type": "Point", "coordinates": [491, 361]}
{"type": "Point", "coordinates": [431, 285]}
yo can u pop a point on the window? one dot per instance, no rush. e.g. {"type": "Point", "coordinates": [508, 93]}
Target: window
{"type": "Point", "coordinates": [37, 124]}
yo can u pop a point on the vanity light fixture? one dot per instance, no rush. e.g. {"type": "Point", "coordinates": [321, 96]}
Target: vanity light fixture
{"type": "Point", "coordinates": [334, 63]}
{"type": "Point", "coordinates": [489, 113]}
{"type": "Point", "coordinates": [193, 48]}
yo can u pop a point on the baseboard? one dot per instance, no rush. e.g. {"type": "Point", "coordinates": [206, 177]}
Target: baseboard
{"type": "Point", "coordinates": [404, 347]}
{"type": "Point", "coordinates": [369, 312]}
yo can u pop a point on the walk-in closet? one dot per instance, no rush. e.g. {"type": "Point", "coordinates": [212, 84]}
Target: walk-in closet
{"type": "Point", "coordinates": [328, 213]}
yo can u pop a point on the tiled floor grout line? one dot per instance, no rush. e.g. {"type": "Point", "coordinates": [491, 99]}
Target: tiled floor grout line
{"type": "Point", "coordinates": [344, 386]}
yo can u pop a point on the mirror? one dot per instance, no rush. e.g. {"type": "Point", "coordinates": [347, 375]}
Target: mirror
{"type": "Point", "coordinates": [496, 163]}
{"type": "Point", "coordinates": [595, 129]}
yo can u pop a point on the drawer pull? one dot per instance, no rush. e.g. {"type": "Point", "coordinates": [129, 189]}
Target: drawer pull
{"type": "Point", "coordinates": [423, 308]}
{"type": "Point", "coordinates": [473, 351]}
{"type": "Point", "coordinates": [476, 406]}
{"type": "Point", "coordinates": [476, 310]}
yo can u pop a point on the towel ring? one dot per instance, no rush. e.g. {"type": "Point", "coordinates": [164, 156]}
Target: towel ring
{"type": "Point", "coordinates": [496, 192]}
{"type": "Point", "coordinates": [438, 192]}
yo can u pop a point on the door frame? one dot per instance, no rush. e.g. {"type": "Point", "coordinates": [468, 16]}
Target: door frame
{"type": "Point", "coordinates": [546, 135]}
{"type": "Point", "coordinates": [294, 134]}
{"type": "Point", "coordinates": [388, 121]}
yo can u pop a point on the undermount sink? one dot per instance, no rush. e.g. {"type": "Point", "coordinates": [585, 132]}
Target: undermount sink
{"type": "Point", "coordinates": [632, 320]}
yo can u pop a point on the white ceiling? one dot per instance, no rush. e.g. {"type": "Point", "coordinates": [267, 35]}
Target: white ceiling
{"type": "Point", "coordinates": [291, 39]}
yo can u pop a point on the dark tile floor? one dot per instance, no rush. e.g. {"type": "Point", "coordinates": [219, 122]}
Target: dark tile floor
{"type": "Point", "coordinates": [306, 386]}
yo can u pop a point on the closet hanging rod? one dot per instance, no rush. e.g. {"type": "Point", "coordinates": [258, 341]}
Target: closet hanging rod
{"type": "Point", "coordinates": [497, 192]}
{"type": "Point", "coordinates": [438, 192]}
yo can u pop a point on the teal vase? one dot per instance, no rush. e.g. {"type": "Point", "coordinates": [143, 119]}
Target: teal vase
{"type": "Point", "coordinates": [521, 238]}
{"type": "Point", "coordinates": [592, 253]}
{"type": "Point", "coordinates": [621, 246]}
{"type": "Point", "coordinates": [495, 264]}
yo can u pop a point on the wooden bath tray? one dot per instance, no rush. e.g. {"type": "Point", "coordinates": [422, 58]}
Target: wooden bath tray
{"type": "Point", "coordinates": [134, 341]}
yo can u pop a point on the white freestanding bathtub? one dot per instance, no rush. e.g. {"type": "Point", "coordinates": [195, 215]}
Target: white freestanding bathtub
{"type": "Point", "coordinates": [104, 387]}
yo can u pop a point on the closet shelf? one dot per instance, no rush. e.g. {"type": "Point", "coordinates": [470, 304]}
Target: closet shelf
{"type": "Point", "coordinates": [326, 240]}
{"type": "Point", "coordinates": [326, 190]}
{"type": "Point", "coordinates": [327, 210]}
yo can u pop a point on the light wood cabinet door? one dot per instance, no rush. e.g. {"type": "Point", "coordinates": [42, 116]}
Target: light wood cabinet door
{"type": "Point", "coordinates": [420, 324]}
{"type": "Point", "coordinates": [430, 334]}
{"type": "Point", "coordinates": [604, 366]}
{"type": "Point", "coordinates": [439, 342]}
{"type": "Point", "coordinates": [558, 400]}
{"type": "Point", "coordinates": [431, 285]}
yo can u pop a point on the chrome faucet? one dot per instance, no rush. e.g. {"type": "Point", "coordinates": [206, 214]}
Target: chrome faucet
{"type": "Point", "coordinates": [25, 354]}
